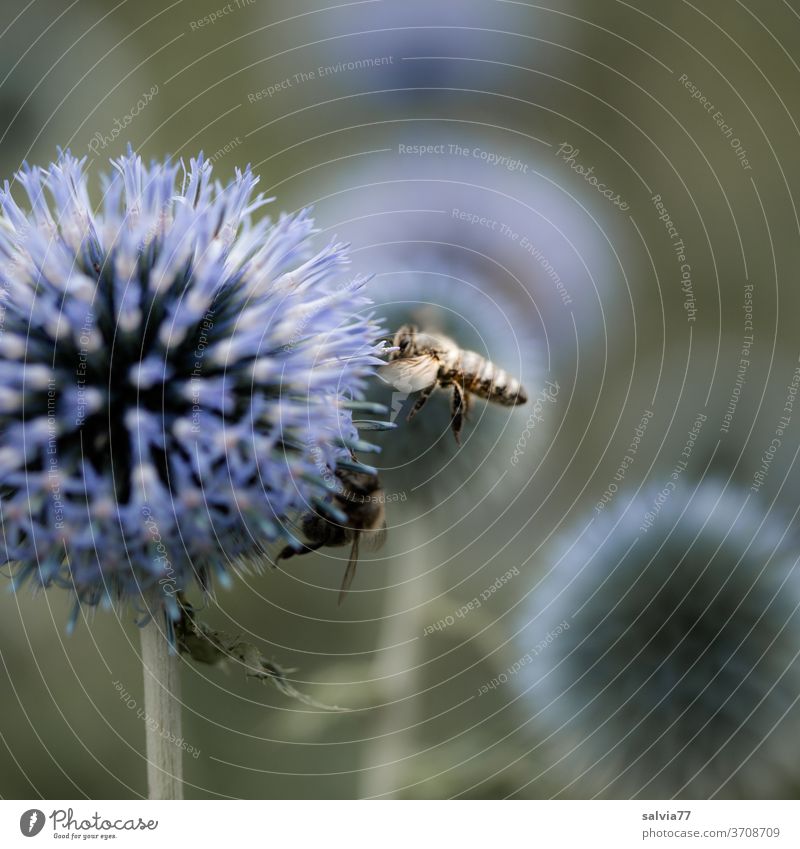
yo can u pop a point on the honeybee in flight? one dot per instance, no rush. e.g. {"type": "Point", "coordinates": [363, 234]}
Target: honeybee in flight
{"type": "Point", "coordinates": [426, 360]}
{"type": "Point", "coordinates": [360, 499]}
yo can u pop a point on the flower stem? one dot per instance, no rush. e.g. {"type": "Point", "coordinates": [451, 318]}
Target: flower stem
{"type": "Point", "coordinates": [400, 658]}
{"type": "Point", "coordinates": [162, 712]}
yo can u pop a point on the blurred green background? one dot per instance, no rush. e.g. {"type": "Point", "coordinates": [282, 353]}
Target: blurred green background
{"type": "Point", "coordinates": [557, 284]}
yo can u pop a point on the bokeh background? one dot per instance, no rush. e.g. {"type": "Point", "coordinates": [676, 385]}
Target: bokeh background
{"type": "Point", "coordinates": [602, 659]}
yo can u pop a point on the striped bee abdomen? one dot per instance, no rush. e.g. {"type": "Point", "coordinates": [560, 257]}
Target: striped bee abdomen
{"type": "Point", "coordinates": [486, 380]}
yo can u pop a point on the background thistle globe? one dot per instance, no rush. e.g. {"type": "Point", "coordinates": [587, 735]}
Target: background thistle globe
{"type": "Point", "coordinates": [678, 673]}
{"type": "Point", "coordinates": [175, 375]}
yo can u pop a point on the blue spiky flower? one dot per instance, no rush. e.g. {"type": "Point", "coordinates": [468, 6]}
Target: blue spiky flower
{"type": "Point", "coordinates": [177, 375]}
{"type": "Point", "coordinates": [661, 653]}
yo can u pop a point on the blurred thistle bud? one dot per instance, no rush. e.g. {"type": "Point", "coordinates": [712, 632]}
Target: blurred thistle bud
{"type": "Point", "coordinates": [661, 651]}
{"type": "Point", "coordinates": [176, 376]}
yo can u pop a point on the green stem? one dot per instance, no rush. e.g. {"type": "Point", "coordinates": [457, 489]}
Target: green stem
{"type": "Point", "coordinates": [393, 739]}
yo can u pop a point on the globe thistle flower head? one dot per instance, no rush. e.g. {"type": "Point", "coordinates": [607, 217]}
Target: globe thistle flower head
{"type": "Point", "coordinates": [176, 375]}
{"type": "Point", "coordinates": [664, 662]}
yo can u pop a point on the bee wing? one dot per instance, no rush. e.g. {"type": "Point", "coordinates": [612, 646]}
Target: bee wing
{"type": "Point", "coordinates": [375, 538]}
{"type": "Point", "coordinates": [350, 571]}
{"type": "Point", "coordinates": [408, 374]}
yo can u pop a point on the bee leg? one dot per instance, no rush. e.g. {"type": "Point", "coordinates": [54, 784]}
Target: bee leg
{"type": "Point", "coordinates": [307, 548]}
{"type": "Point", "coordinates": [466, 398]}
{"type": "Point", "coordinates": [421, 401]}
{"type": "Point", "coordinates": [457, 411]}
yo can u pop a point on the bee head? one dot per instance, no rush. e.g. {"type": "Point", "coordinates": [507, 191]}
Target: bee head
{"type": "Point", "coordinates": [404, 339]}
